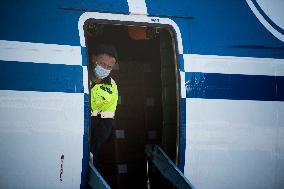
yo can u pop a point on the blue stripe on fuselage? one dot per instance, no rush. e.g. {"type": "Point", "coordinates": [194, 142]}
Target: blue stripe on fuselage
{"type": "Point", "coordinates": [66, 78]}
{"type": "Point", "coordinates": [42, 77]}
{"type": "Point", "coordinates": [234, 86]}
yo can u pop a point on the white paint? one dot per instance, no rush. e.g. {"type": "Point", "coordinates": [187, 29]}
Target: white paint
{"type": "Point", "coordinates": [36, 128]}
{"type": "Point", "coordinates": [274, 10]}
{"type": "Point", "coordinates": [264, 22]}
{"type": "Point", "coordinates": [233, 65]}
{"type": "Point", "coordinates": [234, 144]}
{"type": "Point", "coordinates": [85, 79]}
{"type": "Point", "coordinates": [137, 6]}
{"type": "Point", "coordinates": [129, 18]}
{"type": "Point", "coordinates": [40, 53]}
{"type": "Point", "coordinates": [182, 85]}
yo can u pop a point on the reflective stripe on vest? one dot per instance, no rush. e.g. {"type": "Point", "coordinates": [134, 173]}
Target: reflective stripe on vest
{"type": "Point", "coordinates": [103, 114]}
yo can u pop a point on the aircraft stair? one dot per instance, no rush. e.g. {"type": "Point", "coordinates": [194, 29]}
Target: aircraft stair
{"type": "Point", "coordinates": [162, 162]}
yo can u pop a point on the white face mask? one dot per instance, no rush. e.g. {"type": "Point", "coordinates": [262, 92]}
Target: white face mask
{"type": "Point", "coordinates": [101, 72]}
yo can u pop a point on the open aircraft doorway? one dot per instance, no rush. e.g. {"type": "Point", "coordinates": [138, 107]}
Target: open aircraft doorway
{"type": "Point", "coordinates": [148, 106]}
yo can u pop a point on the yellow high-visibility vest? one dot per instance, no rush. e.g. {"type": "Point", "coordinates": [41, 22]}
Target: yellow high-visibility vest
{"type": "Point", "coordinates": [104, 98]}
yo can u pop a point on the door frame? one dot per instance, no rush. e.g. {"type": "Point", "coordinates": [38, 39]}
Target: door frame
{"type": "Point", "coordinates": [139, 20]}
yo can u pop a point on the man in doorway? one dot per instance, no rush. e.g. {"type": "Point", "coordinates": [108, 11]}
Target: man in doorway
{"type": "Point", "coordinates": [104, 96]}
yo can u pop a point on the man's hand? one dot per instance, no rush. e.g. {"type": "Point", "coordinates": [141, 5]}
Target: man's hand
{"type": "Point", "coordinates": [91, 158]}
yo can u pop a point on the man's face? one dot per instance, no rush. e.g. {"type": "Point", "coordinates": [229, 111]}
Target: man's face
{"type": "Point", "coordinates": [104, 60]}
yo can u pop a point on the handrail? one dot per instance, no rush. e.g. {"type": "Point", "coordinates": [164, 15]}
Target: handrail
{"type": "Point", "coordinates": [167, 168]}
{"type": "Point", "coordinates": [96, 181]}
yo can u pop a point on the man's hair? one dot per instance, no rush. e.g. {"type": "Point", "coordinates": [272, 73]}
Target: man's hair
{"type": "Point", "coordinates": [108, 49]}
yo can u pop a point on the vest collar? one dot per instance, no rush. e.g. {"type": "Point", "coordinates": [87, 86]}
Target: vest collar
{"type": "Point", "coordinates": [106, 80]}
